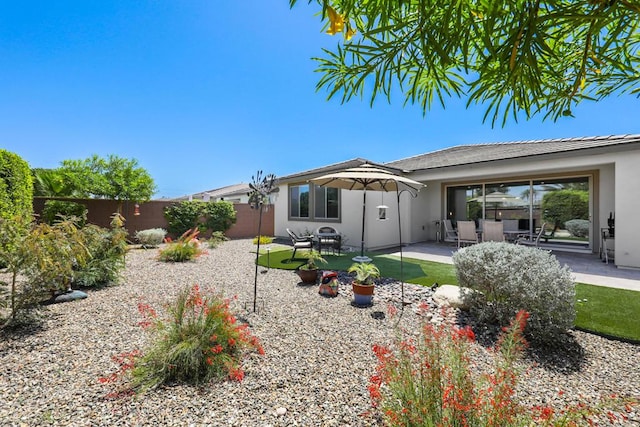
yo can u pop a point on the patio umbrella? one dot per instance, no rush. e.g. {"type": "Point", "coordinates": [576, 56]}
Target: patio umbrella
{"type": "Point", "coordinates": [368, 177]}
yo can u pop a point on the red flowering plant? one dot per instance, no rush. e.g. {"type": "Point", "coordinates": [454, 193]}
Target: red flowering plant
{"type": "Point", "coordinates": [198, 341]}
{"type": "Point", "coordinates": [429, 380]}
{"type": "Point", "coordinates": [185, 248]}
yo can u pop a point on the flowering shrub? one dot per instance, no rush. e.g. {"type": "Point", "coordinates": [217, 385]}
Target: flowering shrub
{"type": "Point", "coordinates": [198, 341]}
{"type": "Point", "coordinates": [151, 237]}
{"type": "Point", "coordinates": [264, 240]}
{"type": "Point", "coordinates": [430, 381]}
{"type": "Point", "coordinates": [185, 248]}
{"type": "Point", "coordinates": [511, 278]}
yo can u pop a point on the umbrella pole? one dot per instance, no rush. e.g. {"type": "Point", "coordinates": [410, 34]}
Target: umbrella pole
{"type": "Point", "coordinates": [364, 206]}
{"type": "Point", "coordinates": [401, 259]}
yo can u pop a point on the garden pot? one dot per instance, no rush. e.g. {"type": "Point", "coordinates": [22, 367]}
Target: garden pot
{"type": "Point", "coordinates": [362, 294]}
{"type": "Point", "coordinates": [308, 277]}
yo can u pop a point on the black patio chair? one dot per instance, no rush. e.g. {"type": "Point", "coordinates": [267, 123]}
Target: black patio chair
{"type": "Point", "coordinates": [299, 242]}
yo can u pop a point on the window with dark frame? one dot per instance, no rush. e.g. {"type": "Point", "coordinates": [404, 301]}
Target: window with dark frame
{"type": "Point", "coordinates": [311, 202]}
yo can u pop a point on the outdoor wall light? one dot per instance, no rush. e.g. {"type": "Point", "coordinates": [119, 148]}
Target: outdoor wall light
{"type": "Point", "coordinates": [382, 212]}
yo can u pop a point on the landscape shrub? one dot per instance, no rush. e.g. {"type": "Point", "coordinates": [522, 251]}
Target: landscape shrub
{"type": "Point", "coordinates": [184, 216]}
{"type": "Point", "coordinates": [56, 210]}
{"type": "Point", "coordinates": [107, 250]}
{"type": "Point", "coordinates": [430, 379]}
{"type": "Point", "coordinates": [205, 216]}
{"type": "Point", "coordinates": [151, 237]}
{"type": "Point", "coordinates": [57, 252]}
{"type": "Point", "coordinates": [219, 216]}
{"type": "Point", "coordinates": [510, 278]}
{"type": "Point", "coordinates": [578, 227]}
{"type": "Point", "coordinates": [216, 238]}
{"type": "Point", "coordinates": [264, 240]}
{"type": "Point", "coordinates": [198, 341]}
{"type": "Point", "coordinates": [15, 296]}
{"type": "Point", "coordinates": [16, 186]}
{"type": "Point", "coordinates": [186, 248]}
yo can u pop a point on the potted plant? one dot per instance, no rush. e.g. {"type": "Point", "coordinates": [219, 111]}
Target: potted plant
{"type": "Point", "coordinates": [363, 283]}
{"type": "Point", "coordinates": [309, 272]}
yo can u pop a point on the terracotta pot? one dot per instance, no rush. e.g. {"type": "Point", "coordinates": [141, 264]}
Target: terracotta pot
{"type": "Point", "coordinates": [362, 294]}
{"type": "Point", "coordinates": [309, 277]}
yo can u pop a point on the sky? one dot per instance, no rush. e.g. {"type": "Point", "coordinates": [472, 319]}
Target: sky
{"type": "Point", "coordinates": [204, 93]}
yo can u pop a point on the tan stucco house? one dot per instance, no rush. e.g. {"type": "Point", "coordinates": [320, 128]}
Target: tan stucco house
{"type": "Point", "coordinates": [602, 172]}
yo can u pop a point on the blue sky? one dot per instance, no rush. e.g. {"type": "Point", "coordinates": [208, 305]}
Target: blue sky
{"type": "Point", "coordinates": [205, 93]}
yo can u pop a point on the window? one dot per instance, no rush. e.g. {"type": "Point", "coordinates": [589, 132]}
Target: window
{"type": "Point", "coordinates": [311, 202]}
{"type": "Point", "coordinates": [326, 202]}
{"type": "Point", "coordinates": [299, 201]}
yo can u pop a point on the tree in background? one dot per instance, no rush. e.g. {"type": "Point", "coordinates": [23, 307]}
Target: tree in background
{"type": "Point", "coordinates": [111, 178]}
{"type": "Point", "coordinates": [16, 187]}
{"type": "Point", "coordinates": [564, 205]}
{"type": "Point", "coordinates": [52, 183]}
{"type": "Point", "coordinates": [517, 57]}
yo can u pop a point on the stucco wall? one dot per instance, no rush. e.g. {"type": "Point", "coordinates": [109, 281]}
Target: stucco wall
{"type": "Point", "coordinates": [615, 189]}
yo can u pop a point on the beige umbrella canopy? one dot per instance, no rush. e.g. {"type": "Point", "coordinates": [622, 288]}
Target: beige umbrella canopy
{"type": "Point", "coordinates": [368, 177]}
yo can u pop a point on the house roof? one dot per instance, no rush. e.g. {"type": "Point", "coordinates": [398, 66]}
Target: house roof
{"type": "Point", "coordinates": [229, 190]}
{"type": "Point", "coordinates": [479, 153]}
{"type": "Point", "coordinates": [324, 169]}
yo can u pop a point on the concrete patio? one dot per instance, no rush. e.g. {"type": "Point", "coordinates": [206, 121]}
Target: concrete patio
{"type": "Point", "coordinates": [587, 268]}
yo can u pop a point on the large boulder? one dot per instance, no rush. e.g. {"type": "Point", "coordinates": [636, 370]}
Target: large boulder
{"type": "Point", "coordinates": [452, 296]}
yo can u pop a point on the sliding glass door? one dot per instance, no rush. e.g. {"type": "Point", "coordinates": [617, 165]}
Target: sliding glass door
{"type": "Point", "coordinates": [561, 205]}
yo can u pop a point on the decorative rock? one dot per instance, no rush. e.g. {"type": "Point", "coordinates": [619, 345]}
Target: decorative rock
{"type": "Point", "coordinates": [451, 295]}
{"type": "Point", "coordinates": [281, 411]}
{"type": "Point", "coordinates": [70, 296]}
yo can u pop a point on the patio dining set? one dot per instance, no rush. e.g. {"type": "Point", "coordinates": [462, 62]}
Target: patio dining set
{"type": "Point", "coordinates": [325, 238]}
{"type": "Point", "coordinates": [468, 233]}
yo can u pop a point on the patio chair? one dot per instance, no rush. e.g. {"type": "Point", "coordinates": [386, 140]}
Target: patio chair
{"type": "Point", "coordinates": [299, 242]}
{"type": "Point", "coordinates": [467, 233]}
{"type": "Point", "coordinates": [529, 240]}
{"type": "Point", "coordinates": [450, 233]}
{"type": "Point", "coordinates": [330, 238]}
{"type": "Point", "coordinates": [493, 231]}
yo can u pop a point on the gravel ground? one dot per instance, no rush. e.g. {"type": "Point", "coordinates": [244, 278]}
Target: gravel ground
{"type": "Point", "coordinates": [314, 373]}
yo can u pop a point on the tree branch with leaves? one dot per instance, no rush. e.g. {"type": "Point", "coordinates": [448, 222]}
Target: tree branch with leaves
{"type": "Point", "coordinates": [519, 58]}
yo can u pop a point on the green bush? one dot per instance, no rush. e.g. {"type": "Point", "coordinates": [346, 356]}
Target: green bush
{"type": "Point", "coordinates": [205, 216]}
{"type": "Point", "coordinates": [57, 251]}
{"type": "Point", "coordinates": [184, 216]}
{"type": "Point", "coordinates": [55, 210]}
{"type": "Point", "coordinates": [511, 278]}
{"type": "Point", "coordinates": [15, 256]}
{"type": "Point", "coordinates": [107, 249]}
{"type": "Point", "coordinates": [578, 227]}
{"type": "Point", "coordinates": [152, 237]}
{"type": "Point", "coordinates": [219, 216]}
{"type": "Point", "coordinates": [198, 341]}
{"type": "Point", "coordinates": [186, 248]}
{"type": "Point", "coordinates": [216, 238]}
{"type": "Point", "coordinates": [561, 206]}
{"type": "Point", "coordinates": [16, 186]}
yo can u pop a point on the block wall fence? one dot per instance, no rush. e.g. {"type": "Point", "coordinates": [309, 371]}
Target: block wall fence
{"type": "Point", "coordinates": [151, 216]}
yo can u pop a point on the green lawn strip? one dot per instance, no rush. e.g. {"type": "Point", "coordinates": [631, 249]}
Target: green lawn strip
{"type": "Point", "coordinates": [602, 310]}
{"type": "Point", "coordinates": [608, 311]}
